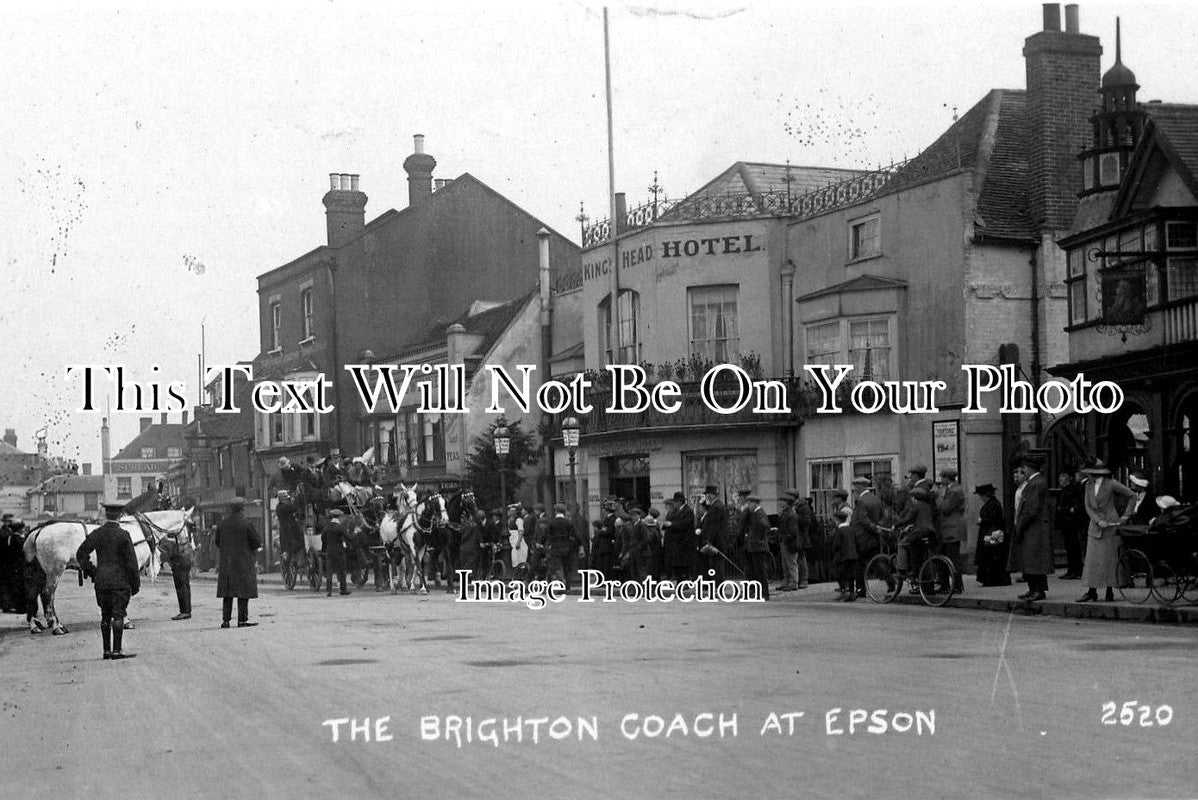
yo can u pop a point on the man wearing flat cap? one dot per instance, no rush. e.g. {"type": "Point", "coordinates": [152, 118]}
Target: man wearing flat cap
{"type": "Point", "coordinates": [757, 545]}
{"type": "Point", "coordinates": [679, 535]}
{"type": "Point", "coordinates": [788, 541]}
{"type": "Point", "coordinates": [864, 524]}
{"type": "Point", "coordinates": [951, 521]}
{"type": "Point", "coordinates": [237, 541]}
{"type": "Point", "coordinates": [115, 575]}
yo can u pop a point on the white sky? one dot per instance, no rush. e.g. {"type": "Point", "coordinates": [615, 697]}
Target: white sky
{"type": "Point", "coordinates": [137, 139]}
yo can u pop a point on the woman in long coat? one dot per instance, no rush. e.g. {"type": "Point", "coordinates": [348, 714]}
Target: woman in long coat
{"type": "Point", "coordinates": [237, 541]}
{"type": "Point", "coordinates": [991, 556]}
{"type": "Point", "coordinates": [1102, 550]}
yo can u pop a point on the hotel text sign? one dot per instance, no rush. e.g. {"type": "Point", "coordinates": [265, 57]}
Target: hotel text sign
{"type": "Point", "coordinates": [600, 267]}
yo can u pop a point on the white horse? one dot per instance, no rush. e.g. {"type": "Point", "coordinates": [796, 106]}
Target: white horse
{"type": "Point", "coordinates": [407, 530]}
{"type": "Point", "coordinates": [53, 547]}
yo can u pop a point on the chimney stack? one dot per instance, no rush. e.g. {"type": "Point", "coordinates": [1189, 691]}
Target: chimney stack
{"type": "Point", "coordinates": [184, 418]}
{"type": "Point", "coordinates": [345, 208]}
{"type": "Point", "coordinates": [145, 423]}
{"type": "Point", "coordinates": [1063, 74]}
{"type": "Point", "coordinates": [419, 167]}
{"type": "Point", "coordinates": [10, 437]}
{"type": "Point", "coordinates": [87, 468]}
{"type": "Point", "coordinates": [164, 418]}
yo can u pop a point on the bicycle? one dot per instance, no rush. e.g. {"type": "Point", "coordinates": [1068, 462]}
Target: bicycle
{"type": "Point", "coordinates": [497, 569]}
{"type": "Point", "coordinates": [292, 567]}
{"type": "Point", "coordinates": [935, 581]}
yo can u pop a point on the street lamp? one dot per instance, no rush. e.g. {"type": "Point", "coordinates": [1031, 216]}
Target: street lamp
{"type": "Point", "coordinates": [570, 440]}
{"type": "Point", "coordinates": [503, 444]}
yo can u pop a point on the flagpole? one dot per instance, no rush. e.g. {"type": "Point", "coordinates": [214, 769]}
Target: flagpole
{"type": "Point", "coordinates": [611, 192]}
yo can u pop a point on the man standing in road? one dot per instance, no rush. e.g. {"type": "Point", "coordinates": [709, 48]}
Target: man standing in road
{"type": "Point", "coordinates": [864, 523]}
{"type": "Point", "coordinates": [711, 535]}
{"type": "Point", "coordinates": [788, 541]}
{"type": "Point", "coordinates": [180, 557]}
{"type": "Point", "coordinates": [561, 541]}
{"type": "Point", "coordinates": [291, 538]}
{"type": "Point", "coordinates": [332, 543]}
{"type": "Point", "coordinates": [237, 542]}
{"type": "Point", "coordinates": [757, 544]}
{"type": "Point", "coordinates": [1031, 544]}
{"type": "Point", "coordinates": [114, 575]}
{"type": "Point", "coordinates": [679, 539]}
{"type": "Point", "coordinates": [951, 522]}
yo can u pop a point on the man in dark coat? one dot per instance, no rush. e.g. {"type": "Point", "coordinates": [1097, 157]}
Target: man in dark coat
{"type": "Point", "coordinates": [180, 555]}
{"type": "Point", "coordinates": [333, 540]}
{"type": "Point", "coordinates": [865, 524]}
{"type": "Point", "coordinates": [114, 575]}
{"type": "Point", "coordinates": [788, 541]}
{"type": "Point", "coordinates": [11, 556]}
{"type": "Point", "coordinates": [1031, 544]}
{"type": "Point", "coordinates": [1071, 523]}
{"type": "Point", "coordinates": [757, 545]}
{"type": "Point", "coordinates": [470, 544]}
{"type": "Point", "coordinates": [711, 530]}
{"type": "Point", "coordinates": [679, 535]}
{"type": "Point", "coordinates": [605, 550]}
{"type": "Point", "coordinates": [561, 539]}
{"type": "Point", "coordinates": [237, 542]}
{"type": "Point", "coordinates": [993, 540]}
{"type": "Point", "coordinates": [950, 521]}
{"type": "Point", "coordinates": [291, 537]}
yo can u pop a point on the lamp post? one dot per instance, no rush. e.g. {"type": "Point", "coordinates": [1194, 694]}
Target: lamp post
{"type": "Point", "coordinates": [503, 444]}
{"type": "Point", "coordinates": [570, 440]}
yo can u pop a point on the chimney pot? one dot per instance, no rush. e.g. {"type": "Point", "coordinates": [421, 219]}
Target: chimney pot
{"type": "Point", "coordinates": [164, 417]}
{"type": "Point", "coordinates": [87, 468]}
{"type": "Point", "coordinates": [353, 182]}
{"type": "Point", "coordinates": [418, 139]}
{"type": "Point", "coordinates": [145, 423]}
{"type": "Point", "coordinates": [184, 417]}
{"type": "Point", "coordinates": [1052, 16]}
{"type": "Point", "coordinates": [333, 181]}
{"type": "Point", "coordinates": [1071, 21]}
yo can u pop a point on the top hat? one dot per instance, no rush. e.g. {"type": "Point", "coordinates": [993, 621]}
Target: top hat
{"type": "Point", "coordinates": [711, 488]}
{"type": "Point", "coordinates": [984, 488]}
{"type": "Point", "coordinates": [678, 497]}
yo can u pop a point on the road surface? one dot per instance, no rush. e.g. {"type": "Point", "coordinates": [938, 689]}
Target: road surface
{"type": "Point", "coordinates": [998, 706]}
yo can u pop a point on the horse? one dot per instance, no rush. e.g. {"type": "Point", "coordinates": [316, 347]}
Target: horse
{"type": "Point", "coordinates": [407, 530]}
{"type": "Point", "coordinates": [459, 509]}
{"type": "Point", "coordinates": [52, 546]}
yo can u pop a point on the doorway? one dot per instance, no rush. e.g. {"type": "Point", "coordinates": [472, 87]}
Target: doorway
{"type": "Point", "coordinates": [628, 478]}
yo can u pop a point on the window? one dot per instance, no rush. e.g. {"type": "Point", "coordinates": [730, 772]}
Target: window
{"type": "Point", "coordinates": [869, 348]}
{"type": "Point", "coordinates": [864, 238]}
{"type": "Point", "coordinates": [276, 322]}
{"type": "Point", "coordinates": [220, 467]}
{"type": "Point", "coordinates": [826, 477]}
{"type": "Point", "coordinates": [147, 452]}
{"type": "Point", "coordinates": [306, 311]}
{"type": "Point", "coordinates": [174, 452]}
{"type": "Point", "coordinates": [879, 471]}
{"type": "Point", "coordinates": [1182, 270]}
{"type": "Point", "coordinates": [91, 501]}
{"type": "Point", "coordinates": [385, 442]}
{"type": "Point", "coordinates": [714, 333]}
{"type": "Point", "coordinates": [1076, 279]}
{"type": "Point", "coordinates": [425, 443]}
{"type": "Point", "coordinates": [1108, 169]}
{"type": "Point", "coordinates": [864, 343]}
{"type": "Point", "coordinates": [823, 343]}
{"type": "Point", "coordinates": [276, 429]}
{"type": "Point", "coordinates": [1088, 173]}
{"type": "Point", "coordinates": [627, 350]}
{"type": "Point", "coordinates": [50, 502]}
{"type": "Point", "coordinates": [149, 485]}
{"type": "Point", "coordinates": [124, 488]}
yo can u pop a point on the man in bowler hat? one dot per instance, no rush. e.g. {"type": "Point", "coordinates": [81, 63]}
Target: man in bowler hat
{"type": "Point", "coordinates": [237, 541]}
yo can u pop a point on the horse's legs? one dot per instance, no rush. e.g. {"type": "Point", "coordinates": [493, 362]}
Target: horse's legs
{"type": "Point", "coordinates": [423, 561]}
{"type": "Point", "coordinates": [56, 627]}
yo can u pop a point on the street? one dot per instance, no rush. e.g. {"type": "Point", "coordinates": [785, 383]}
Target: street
{"type": "Point", "coordinates": [1006, 706]}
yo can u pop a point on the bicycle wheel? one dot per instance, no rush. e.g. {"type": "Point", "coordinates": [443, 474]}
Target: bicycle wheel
{"type": "Point", "coordinates": [882, 583]}
{"type": "Point", "coordinates": [290, 571]}
{"type": "Point", "coordinates": [521, 572]}
{"type": "Point", "coordinates": [1133, 574]}
{"type": "Point", "coordinates": [359, 576]}
{"type": "Point", "coordinates": [314, 576]}
{"type": "Point", "coordinates": [1166, 584]}
{"type": "Point", "coordinates": [499, 570]}
{"type": "Point", "coordinates": [936, 581]}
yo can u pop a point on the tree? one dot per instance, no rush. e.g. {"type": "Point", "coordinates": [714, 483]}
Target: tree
{"type": "Point", "coordinates": [482, 465]}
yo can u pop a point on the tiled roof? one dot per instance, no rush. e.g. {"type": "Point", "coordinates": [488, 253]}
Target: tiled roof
{"type": "Point", "coordinates": [72, 483]}
{"type": "Point", "coordinates": [490, 323]}
{"type": "Point", "coordinates": [863, 283]}
{"type": "Point", "coordinates": [7, 449]}
{"type": "Point", "coordinates": [158, 436]}
{"type": "Point", "coordinates": [570, 352]}
{"type": "Point", "coordinates": [991, 137]}
{"type": "Point", "coordinates": [1179, 124]}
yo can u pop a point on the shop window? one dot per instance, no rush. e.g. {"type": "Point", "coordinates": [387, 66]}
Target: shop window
{"type": "Point", "coordinates": [826, 477]}
{"type": "Point", "coordinates": [729, 471]}
{"type": "Point", "coordinates": [124, 488]}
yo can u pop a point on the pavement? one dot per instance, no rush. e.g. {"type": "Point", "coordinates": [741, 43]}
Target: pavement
{"type": "Point", "coordinates": [1061, 602]}
{"type": "Point", "coordinates": [979, 705]}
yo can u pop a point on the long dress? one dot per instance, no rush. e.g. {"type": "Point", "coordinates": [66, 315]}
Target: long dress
{"type": "Point", "coordinates": [991, 559]}
{"type": "Point", "coordinates": [1102, 550]}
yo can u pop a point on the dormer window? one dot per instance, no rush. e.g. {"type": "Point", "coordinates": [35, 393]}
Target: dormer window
{"type": "Point", "coordinates": [1108, 169]}
{"type": "Point", "coordinates": [1088, 174]}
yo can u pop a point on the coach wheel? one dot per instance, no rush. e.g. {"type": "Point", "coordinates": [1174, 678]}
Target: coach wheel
{"type": "Point", "coordinates": [936, 581]}
{"type": "Point", "coordinates": [289, 574]}
{"type": "Point", "coordinates": [1166, 584]}
{"type": "Point", "coordinates": [359, 576]}
{"type": "Point", "coordinates": [1133, 574]}
{"type": "Point", "coordinates": [313, 572]}
{"type": "Point", "coordinates": [882, 583]}
{"type": "Point", "coordinates": [521, 572]}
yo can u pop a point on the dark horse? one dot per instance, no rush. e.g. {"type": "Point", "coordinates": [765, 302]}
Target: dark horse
{"type": "Point", "coordinates": [444, 541]}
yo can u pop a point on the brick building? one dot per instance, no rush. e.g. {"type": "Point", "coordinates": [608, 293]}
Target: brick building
{"type": "Point", "coordinates": [379, 288]}
{"type": "Point", "coordinates": [147, 459]}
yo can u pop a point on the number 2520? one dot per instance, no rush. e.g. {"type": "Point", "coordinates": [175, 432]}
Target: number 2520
{"type": "Point", "coordinates": [1112, 714]}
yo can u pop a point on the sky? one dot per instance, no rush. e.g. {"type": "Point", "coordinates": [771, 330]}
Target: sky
{"type": "Point", "coordinates": [156, 159]}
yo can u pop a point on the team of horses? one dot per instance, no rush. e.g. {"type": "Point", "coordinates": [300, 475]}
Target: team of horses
{"type": "Point", "coordinates": [414, 534]}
